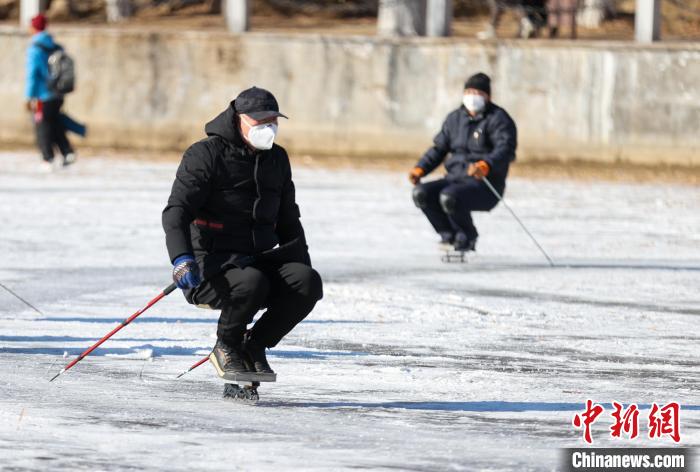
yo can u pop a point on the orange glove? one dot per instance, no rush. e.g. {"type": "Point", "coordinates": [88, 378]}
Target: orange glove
{"type": "Point", "coordinates": [479, 169]}
{"type": "Point", "coordinates": [415, 175]}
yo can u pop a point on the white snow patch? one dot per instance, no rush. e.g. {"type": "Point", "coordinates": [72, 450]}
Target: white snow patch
{"type": "Point", "coordinates": [407, 363]}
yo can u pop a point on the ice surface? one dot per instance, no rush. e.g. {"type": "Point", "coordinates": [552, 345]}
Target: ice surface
{"type": "Point", "coordinates": [407, 364]}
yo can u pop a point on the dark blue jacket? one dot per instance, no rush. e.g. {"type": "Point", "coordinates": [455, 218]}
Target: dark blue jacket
{"type": "Point", "coordinates": [38, 67]}
{"type": "Point", "coordinates": [490, 136]}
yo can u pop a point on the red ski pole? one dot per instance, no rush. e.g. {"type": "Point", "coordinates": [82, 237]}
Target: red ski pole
{"type": "Point", "coordinates": [87, 352]}
{"type": "Point", "coordinates": [199, 362]}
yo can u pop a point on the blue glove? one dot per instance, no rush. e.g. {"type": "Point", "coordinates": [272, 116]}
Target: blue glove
{"type": "Point", "coordinates": [186, 272]}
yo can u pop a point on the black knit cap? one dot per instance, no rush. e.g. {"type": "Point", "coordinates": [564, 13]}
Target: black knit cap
{"type": "Point", "coordinates": [257, 103]}
{"type": "Point", "coordinates": [479, 81]}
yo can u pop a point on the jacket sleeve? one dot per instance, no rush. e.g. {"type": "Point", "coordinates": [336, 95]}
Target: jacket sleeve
{"type": "Point", "coordinates": [434, 156]}
{"type": "Point", "coordinates": [190, 191]}
{"type": "Point", "coordinates": [34, 75]}
{"type": "Point", "coordinates": [289, 226]}
{"type": "Point", "coordinates": [503, 135]}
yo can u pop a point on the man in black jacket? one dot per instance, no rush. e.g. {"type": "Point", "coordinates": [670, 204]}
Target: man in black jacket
{"type": "Point", "coordinates": [232, 217]}
{"type": "Point", "coordinates": [481, 139]}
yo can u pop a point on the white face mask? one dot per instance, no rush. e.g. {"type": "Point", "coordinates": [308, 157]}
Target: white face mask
{"type": "Point", "coordinates": [261, 136]}
{"type": "Point", "coordinates": [474, 103]}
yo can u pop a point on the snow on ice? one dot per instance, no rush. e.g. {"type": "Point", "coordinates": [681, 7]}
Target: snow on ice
{"type": "Point", "coordinates": [407, 364]}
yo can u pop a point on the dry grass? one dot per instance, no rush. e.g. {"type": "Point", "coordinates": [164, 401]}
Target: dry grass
{"type": "Point", "coordinates": [532, 169]}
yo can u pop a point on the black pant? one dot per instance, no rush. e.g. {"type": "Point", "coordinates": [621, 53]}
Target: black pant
{"type": "Point", "coordinates": [50, 131]}
{"type": "Point", "coordinates": [448, 203]}
{"type": "Point", "coordinates": [289, 291]}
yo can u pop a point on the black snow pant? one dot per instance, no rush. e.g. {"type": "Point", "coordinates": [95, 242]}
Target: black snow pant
{"type": "Point", "coordinates": [51, 132]}
{"type": "Point", "coordinates": [289, 291]}
{"type": "Point", "coordinates": [448, 203]}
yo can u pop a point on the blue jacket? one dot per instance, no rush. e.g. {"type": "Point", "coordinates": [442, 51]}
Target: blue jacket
{"type": "Point", "coordinates": [491, 135]}
{"type": "Point", "coordinates": [38, 67]}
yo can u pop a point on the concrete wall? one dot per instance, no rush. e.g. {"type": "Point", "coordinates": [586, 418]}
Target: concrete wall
{"type": "Point", "coordinates": [357, 95]}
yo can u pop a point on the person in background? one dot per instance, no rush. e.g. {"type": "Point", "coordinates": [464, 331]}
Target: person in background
{"type": "Point", "coordinates": [531, 14]}
{"type": "Point", "coordinates": [480, 139]}
{"type": "Point", "coordinates": [44, 103]}
{"type": "Point", "coordinates": [561, 13]}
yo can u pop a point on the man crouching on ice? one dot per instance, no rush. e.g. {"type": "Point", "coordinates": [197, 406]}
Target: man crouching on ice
{"type": "Point", "coordinates": [234, 236]}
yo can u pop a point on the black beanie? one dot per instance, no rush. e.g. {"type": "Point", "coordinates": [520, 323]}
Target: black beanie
{"type": "Point", "coordinates": [479, 81]}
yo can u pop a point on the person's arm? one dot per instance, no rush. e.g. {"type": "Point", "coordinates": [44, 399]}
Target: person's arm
{"type": "Point", "coordinates": [189, 192]}
{"type": "Point", "coordinates": [503, 135]}
{"type": "Point", "coordinates": [34, 76]}
{"type": "Point", "coordinates": [434, 156]}
{"type": "Point", "coordinates": [289, 225]}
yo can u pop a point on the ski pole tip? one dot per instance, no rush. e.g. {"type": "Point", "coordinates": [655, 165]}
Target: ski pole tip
{"type": "Point", "coordinates": [56, 376]}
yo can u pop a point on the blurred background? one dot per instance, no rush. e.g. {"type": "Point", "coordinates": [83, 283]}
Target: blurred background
{"type": "Point", "coordinates": [611, 19]}
{"type": "Point", "coordinates": [590, 81]}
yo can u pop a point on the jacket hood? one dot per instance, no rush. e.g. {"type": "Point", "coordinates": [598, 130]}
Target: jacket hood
{"type": "Point", "coordinates": [224, 125]}
{"type": "Point", "coordinates": [44, 39]}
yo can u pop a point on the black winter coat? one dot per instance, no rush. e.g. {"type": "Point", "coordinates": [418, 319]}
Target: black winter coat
{"type": "Point", "coordinates": [490, 136]}
{"type": "Point", "coordinates": [230, 201]}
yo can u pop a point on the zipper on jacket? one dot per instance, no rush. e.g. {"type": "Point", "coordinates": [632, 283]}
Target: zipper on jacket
{"type": "Point", "coordinates": [257, 200]}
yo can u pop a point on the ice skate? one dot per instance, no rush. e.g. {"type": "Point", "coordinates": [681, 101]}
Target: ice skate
{"type": "Point", "coordinates": [69, 159]}
{"type": "Point", "coordinates": [257, 360]}
{"type": "Point", "coordinates": [457, 252]}
{"type": "Point", "coordinates": [232, 365]}
{"type": "Point", "coordinates": [228, 362]}
{"type": "Point", "coordinates": [447, 239]}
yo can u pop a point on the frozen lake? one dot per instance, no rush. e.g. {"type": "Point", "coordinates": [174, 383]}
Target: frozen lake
{"type": "Point", "coordinates": [407, 364]}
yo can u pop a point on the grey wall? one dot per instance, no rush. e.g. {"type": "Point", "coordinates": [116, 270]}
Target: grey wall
{"type": "Point", "coordinates": [356, 95]}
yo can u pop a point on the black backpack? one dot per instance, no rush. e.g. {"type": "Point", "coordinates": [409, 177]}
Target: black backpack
{"type": "Point", "coordinates": [61, 70]}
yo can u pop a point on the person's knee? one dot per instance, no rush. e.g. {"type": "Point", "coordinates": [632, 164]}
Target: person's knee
{"type": "Point", "coordinates": [315, 285]}
{"type": "Point", "coordinates": [448, 202]}
{"type": "Point", "coordinates": [253, 287]}
{"type": "Point", "coordinates": [307, 282]}
{"type": "Point", "coordinates": [420, 196]}
{"type": "Point", "coordinates": [311, 286]}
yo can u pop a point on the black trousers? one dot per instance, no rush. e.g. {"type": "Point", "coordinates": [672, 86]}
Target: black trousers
{"type": "Point", "coordinates": [448, 203]}
{"type": "Point", "coordinates": [289, 291]}
{"type": "Point", "coordinates": [51, 132]}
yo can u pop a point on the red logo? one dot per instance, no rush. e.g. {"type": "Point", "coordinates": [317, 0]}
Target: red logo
{"type": "Point", "coordinates": [589, 416]}
{"type": "Point", "coordinates": [627, 421]}
{"type": "Point", "coordinates": [663, 421]}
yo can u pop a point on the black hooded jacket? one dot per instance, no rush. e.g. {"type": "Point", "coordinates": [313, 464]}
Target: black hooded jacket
{"type": "Point", "coordinates": [490, 136]}
{"type": "Point", "coordinates": [229, 200]}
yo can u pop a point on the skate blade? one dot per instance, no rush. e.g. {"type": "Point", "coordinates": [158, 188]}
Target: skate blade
{"type": "Point", "coordinates": [240, 376]}
{"type": "Point", "coordinates": [238, 393]}
{"type": "Point", "coordinates": [454, 256]}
